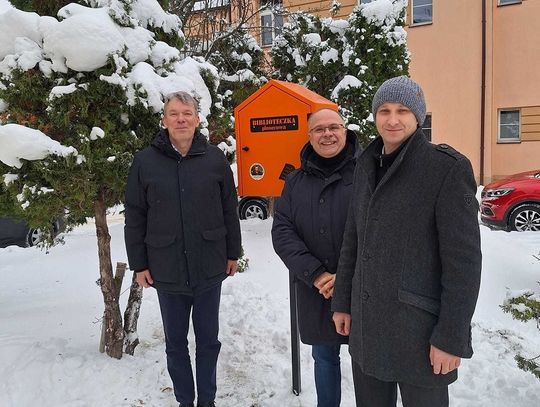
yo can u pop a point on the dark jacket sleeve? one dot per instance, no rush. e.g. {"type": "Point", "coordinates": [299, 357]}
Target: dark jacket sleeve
{"type": "Point", "coordinates": [461, 259]}
{"type": "Point", "coordinates": [287, 243]}
{"type": "Point", "coordinates": [229, 202]}
{"type": "Point", "coordinates": [341, 300]}
{"type": "Point", "coordinates": [136, 209]}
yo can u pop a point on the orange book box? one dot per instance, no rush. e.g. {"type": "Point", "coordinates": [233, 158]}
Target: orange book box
{"type": "Point", "coordinates": [271, 128]}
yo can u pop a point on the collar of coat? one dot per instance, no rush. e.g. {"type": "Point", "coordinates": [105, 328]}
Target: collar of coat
{"type": "Point", "coordinates": [163, 144]}
{"type": "Point", "coordinates": [307, 152]}
{"type": "Point", "coordinates": [367, 163]}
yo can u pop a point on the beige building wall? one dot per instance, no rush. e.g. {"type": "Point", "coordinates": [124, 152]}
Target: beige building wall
{"type": "Point", "coordinates": [516, 84]}
{"type": "Point", "coordinates": [446, 60]}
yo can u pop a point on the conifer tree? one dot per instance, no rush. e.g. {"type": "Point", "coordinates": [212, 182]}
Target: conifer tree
{"type": "Point", "coordinates": [345, 61]}
{"type": "Point", "coordinates": [103, 112]}
{"type": "Point", "coordinates": [525, 306]}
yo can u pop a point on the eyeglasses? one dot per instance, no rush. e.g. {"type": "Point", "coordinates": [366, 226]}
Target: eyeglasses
{"type": "Point", "coordinates": [332, 128]}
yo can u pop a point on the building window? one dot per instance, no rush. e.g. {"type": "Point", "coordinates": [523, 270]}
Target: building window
{"type": "Point", "coordinates": [506, 2]}
{"type": "Point", "coordinates": [509, 126]}
{"type": "Point", "coordinates": [422, 12]}
{"type": "Point", "coordinates": [201, 5]}
{"type": "Point", "coordinates": [364, 1]}
{"type": "Point", "coordinates": [426, 127]}
{"type": "Point", "coordinates": [271, 25]}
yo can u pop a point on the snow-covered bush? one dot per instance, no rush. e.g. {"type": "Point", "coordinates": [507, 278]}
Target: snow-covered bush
{"type": "Point", "coordinates": [80, 94]}
{"type": "Point", "coordinates": [239, 60]}
{"type": "Point", "coordinates": [345, 60]}
{"type": "Point", "coordinates": [525, 306]}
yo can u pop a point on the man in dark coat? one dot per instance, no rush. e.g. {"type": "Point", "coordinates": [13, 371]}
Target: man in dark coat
{"type": "Point", "coordinates": [183, 238]}
{"type": "Point", "coordinates": [409, 270]}
{"type": "Point", "coordinates": [307, 232]}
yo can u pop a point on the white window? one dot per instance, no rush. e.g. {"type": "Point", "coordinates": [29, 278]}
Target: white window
{"type": "Point", "coordinates": [509, 126]}
{"type": "Point", "coordinates": [505, 2]}
{"type": "Point", "coordinates": [422, 12]}
{"type": "Point", "coordinates": [209, 4]}
{"type": "Point", "coordinates": [271, 25]}
{"type": "Point", "coordinates": [426, 127]}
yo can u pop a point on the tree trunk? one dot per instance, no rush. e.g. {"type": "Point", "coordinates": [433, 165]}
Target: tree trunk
{"type": "Point", "coordinates": [112, 317]}
{"type": "Point", "coordinates": [131, 316]}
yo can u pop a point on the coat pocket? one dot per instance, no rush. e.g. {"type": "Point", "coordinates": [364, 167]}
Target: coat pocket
{"type": "Point", "coordinates": [214, 234]}
{"type": "Point", "coordinates": [159, 240]}
{"type": "Point", "coordinates": [428, 304]}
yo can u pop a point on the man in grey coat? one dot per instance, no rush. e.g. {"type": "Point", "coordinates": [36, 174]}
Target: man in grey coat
{"type": "Point", "coordinates": [409, 270]}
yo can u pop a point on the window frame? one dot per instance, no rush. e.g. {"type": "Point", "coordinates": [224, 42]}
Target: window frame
{"type": "Point", "coordinates": [412, 6]}
{"type": "Point", "coordinates": [508, 2]}
{"type": "Point", "coordinates": [430, 128]}
{"type": "Point", "coordinates": [508, 140]}
{"type": "Point", "coordinates": [272, 27]}
{"type": "Point", "coordinates": [207, 5]}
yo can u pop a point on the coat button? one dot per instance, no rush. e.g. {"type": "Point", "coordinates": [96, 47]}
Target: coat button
{"type": "Point", "coordinates": [306, 273]}
{"type": "Point", "coordinates": [321, 231]}
{"type": "Point", "coordinates": [365, 296]}
{"type": "Point", "coordinates": [321, 200]}
{"type": "Point", "coordinates": [326, 261]}
{"type": "Point", "coordinates": [366, 256]}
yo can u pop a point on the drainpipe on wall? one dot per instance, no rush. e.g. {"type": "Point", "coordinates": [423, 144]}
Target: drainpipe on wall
{"type": "Point", "coordinates": [483, 94]}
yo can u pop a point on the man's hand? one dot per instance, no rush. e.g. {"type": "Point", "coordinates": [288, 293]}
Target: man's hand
{"type": "Point", "coordinates": [443, 362]}
{"type": "Point", "coordinates": [342, 321]}
{"type": "Point", "coordinates": [232, 265]}
{"type": "Point", "coordinates": [325, 284]}
{"type": "Point", "coordinates": [144, 278]}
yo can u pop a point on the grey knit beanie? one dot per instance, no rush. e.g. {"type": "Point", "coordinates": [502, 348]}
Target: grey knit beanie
{"type": "Point", "coordinates": [404, 90]}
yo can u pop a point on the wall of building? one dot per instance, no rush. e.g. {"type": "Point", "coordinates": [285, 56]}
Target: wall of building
{"type": "Point", "coordinates": [446, 60]}
{"type": "Point", "coordinates": [516, 84]}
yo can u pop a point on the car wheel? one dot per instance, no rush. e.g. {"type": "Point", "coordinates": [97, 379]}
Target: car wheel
{"type": "Point", "coordinates": [253, 209]}
{"type": "Point", "coordinates": [33, 237]}
{"type": "Point", "coordinates": [525, 218]}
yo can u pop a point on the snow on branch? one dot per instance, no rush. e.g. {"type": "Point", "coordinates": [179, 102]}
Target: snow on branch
{"type": "Point", "coordinates": [22, 143]}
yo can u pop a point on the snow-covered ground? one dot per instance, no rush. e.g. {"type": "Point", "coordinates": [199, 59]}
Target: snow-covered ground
{"type": "Point", "coordinates": [50, 308]}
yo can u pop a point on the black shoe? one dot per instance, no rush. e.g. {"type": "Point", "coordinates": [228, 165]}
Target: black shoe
{"type": "Point", "coordinates": [187, 405]}
{"type": "Point", "coordinates": [207, 404]}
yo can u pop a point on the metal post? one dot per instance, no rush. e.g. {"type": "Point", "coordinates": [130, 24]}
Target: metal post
{"type": "Point", "coordinates": [295, 337]}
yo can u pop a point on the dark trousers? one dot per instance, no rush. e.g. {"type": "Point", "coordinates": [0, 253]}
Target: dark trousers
{"type": "Point", "coordinates": [372, 392]}
{"type": "Point", "coordinates": [175, 312]}
{"type": "Point", "coordinates": [327, 374]}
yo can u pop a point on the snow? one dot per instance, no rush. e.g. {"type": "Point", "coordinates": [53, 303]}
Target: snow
{"type": "Point", "coordinates": [347, 82]}
{"type": "Point", "coordinates": [328, 55]}
{"type": "Point", "coordinates": [96, 133]}
{"type": "Point", "coordinates": [312, 39]}
{"type": "Point", "coordinates": [384, 13]}
{"type": "Point", "coordinates": [336, 26]}
{"type": "Point", "coordinates": [19, 142]}
{"type": "Point", "coordinates": [58, 91]}
{"type": "Point", "coordinates": [51, 308]}
{"type": "Point", "coordinates": [240, 76]}
{"type": "Point", "coordinates": [9, 178]}
{"type": "Point", "coordinates": [17, 24]}
{"type": "Point", "coordinates": [5, 6]}
{"type": "Point", "coordinates": [87, 37]}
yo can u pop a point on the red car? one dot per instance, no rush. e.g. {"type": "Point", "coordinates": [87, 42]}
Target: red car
{"type": "Point", "coordinates": [513, 203]}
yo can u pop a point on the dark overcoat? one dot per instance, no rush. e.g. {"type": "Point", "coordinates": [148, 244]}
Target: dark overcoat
{"type": "Point", "coordinates": [181, 214]}
{"type": "Point", "coordinates": [409, 270]}
{"type": "Point", "coordinates": [307, 232]}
